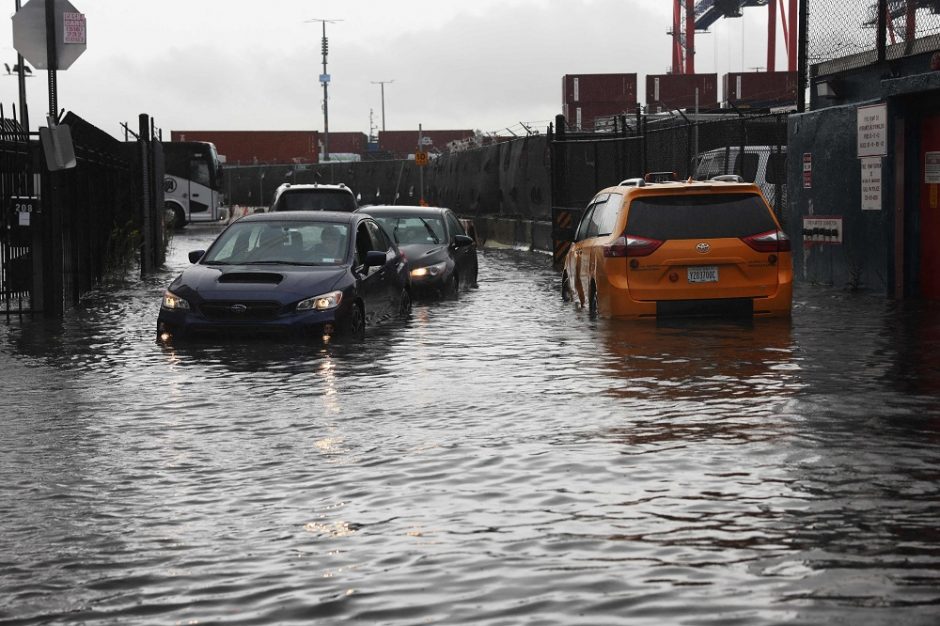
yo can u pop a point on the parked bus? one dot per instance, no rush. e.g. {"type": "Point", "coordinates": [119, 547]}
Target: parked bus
{"type": "Point", "coordinates": [192, 183]}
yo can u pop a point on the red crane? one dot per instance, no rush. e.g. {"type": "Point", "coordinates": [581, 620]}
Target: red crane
{"type": "Point", "coordinates": [689, 16]}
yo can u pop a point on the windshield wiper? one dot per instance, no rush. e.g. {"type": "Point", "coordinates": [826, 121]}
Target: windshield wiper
{"type": "Point", "coordinates": [430, 230]}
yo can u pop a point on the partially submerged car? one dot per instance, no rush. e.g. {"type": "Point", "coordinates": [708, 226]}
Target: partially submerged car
{"type": "Point", "coordinates": [305, 273]}
{"type": "Point", "coordinates": [313, 197]}
{"type": "Point", "coordinates": [678, 249]}
{"type": "Point", "coordinates": [442, 257]}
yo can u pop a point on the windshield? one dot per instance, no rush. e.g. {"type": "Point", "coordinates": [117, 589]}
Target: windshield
{"type": "Point", "coordinates": [698, 216]}
{"type": "Point", "coordinates": [316, 200]}
{"type": "Point", "coordinates": [414, 229]}
{"type": "Point", "coordinates": [291, 243]}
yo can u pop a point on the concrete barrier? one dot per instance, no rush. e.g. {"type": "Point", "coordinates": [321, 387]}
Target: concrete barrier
{"type": "Point", "coordinates": [502, 232]}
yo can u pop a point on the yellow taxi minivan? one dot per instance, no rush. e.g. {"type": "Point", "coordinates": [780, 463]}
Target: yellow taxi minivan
{"type": "Point", "coordinates": [692, 248]}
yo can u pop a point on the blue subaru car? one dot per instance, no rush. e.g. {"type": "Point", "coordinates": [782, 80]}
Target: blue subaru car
{"type": "Point", "coordinates": [315, 273]}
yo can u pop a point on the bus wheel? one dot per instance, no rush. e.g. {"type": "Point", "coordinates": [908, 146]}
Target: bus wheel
{"type": "Point", "coordinates": [174, 216]}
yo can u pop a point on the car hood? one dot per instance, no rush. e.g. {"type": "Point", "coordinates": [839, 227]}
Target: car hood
{"type": "Point", "coordinates": [421, 254]}
{"type": "Point", "coordinates": [283, 283]}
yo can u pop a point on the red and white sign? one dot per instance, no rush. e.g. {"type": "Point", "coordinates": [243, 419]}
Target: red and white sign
{"type": "Point", "coordinates": [73, 28]}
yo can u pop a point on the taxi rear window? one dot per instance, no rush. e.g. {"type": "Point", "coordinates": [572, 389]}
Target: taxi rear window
{"type": "Point", "coordinates": [709, 216]}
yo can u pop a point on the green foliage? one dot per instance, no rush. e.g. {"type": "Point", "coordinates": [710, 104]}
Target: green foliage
{"type": "Point", "coordinates": [124, 242]}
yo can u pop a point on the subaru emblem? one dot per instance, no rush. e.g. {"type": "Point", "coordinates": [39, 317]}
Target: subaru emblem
{"type": "Point", "coordinates": [238, 308]}
{"type": "Point", "coordinates": [703, 248]}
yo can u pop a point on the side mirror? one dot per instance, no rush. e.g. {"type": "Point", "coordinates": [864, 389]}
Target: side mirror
{"type": "Point", "coordinates": [195, 255]}
{"type": "Point", "coordinates": [462, 240]}
{"type": "Point", "coordinates": [374, 258]}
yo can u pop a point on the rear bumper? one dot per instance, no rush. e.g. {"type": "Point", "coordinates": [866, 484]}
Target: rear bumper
{"type": "Point", "coordinates": [617, 302]}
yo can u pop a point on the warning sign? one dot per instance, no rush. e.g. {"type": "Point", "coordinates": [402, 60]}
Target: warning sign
{"type": "Point", "coordinates": [871, 184]}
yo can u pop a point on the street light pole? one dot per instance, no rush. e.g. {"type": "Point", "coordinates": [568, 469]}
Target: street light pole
{"type": "Point", "coordinates": [325, 81]}
{"type": "Point", "coordinates": [21, 78]}
{"type": "Point", "coordinates": [382, 83]}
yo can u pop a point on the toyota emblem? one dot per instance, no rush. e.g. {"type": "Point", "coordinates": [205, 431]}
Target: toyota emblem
{"type": "Point", "coordinates": [238, 308]}
{"type": "Point", "coordinates": [703, 248]}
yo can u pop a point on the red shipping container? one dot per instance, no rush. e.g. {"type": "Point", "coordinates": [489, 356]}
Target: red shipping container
{"type": "Point", "coordinates": [760, 89]}
{"type": "Point", "coordinates": [666, 92]}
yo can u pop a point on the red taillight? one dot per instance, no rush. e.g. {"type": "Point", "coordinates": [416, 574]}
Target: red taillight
{"type": "Point", "coordinates": [628, 246]}
{"type": "Point", "coordinates": [771, 241]}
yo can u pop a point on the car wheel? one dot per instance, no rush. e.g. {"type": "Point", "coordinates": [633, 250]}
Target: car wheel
{"type": "Point", "coordinates": [565, 287]}
{"type": "Point", "coordinates": [404, 304]}
{"type": "Point", "coordinates": [592, 300]}
{"type": "Point", "coordinates": [356, 322]}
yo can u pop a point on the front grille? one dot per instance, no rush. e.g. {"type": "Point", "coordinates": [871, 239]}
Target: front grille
{"type": "Point", "coordinates": [725, 307]}
{"type": "Point", "coordinates": [233, 311]}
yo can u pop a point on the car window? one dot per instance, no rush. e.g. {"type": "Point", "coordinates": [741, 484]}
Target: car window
{"type": "Point", "coordinates": [748, 168]}
{"type": "Point", "coordinates": [316, 200]}
{"type": "Point", "coordinates": [605, 216]}
{"type": "Point", "coordinates": [454, 225]}
{"type": "Point", "coordinates": [363, 243]}
{"type": "Point", "coordinates": [777, 168]}
{"type": "Point", "coordinates": [582, 232]}
{"type": "Point", "coordinates": [706, 216]}
{"type": "Point", "coordinates": [315, 243]}
{"type": "Point", "coordinates": [379, 240]}
{"type": "Point", "coordinates": [414, 229]}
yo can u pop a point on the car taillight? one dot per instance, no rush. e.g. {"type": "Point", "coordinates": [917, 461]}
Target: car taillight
{"type": "Point", "coordinates": [771, 241]}
{"type": "Point", "coordinates": [629, 245]}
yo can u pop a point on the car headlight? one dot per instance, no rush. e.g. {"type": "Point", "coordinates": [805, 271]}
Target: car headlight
{"type": "Point", "coordinates": [429, 270]}
{"type": "Point", "coordinates": [174, 302]}
{"type": "Point", "coordinates": [322, 302]}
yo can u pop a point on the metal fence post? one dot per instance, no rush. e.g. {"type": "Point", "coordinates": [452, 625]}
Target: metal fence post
{"type": "Point", "coordinates": [143, 143]}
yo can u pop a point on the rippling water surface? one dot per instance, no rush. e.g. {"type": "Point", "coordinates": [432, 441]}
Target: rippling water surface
{"type": "Point", "coordinates": [499, 460]}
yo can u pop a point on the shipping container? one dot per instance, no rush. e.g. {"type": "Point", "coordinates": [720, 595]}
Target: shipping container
{"type": "Point", "coordinates": [759, 89]}
{"type": "Point", "coordinates": [586, 97]}
{"type": "Point", "coordinates": [665, 92]}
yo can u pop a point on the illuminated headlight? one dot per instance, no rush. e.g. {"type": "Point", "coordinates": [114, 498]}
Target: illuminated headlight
{"type": "Point", "coordinates": [174, 302]}
{"type": "Point", "coordinates": [431, 270]}
{"type": "Point", "coordinates": [321, 303]}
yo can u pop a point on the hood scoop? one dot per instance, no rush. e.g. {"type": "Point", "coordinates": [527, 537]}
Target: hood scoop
{"type": "Point", "coordinates": [253, 278]}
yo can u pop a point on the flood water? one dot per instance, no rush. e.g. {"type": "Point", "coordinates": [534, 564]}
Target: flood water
{"type": "Point", "coordinates": [499, 460]}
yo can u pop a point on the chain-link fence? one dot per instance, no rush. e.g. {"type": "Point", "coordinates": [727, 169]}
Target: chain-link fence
{"type": "Point", "coordinates": [844, 35]}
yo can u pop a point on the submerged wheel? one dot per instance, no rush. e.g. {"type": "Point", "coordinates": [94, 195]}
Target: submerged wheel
{"type": "Point", "coordinates": [404, 304]}
{"type": "Point", "coordinates": [565, 288]}
{"type": "Point", "coordinates": [592, 300]}
{"type": "Point", "coordinates": [355, 325]}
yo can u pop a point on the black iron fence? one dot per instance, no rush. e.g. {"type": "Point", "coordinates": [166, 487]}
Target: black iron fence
{"type": "Point", "coordinates": [17, 195]}
{"type": "Point", "coordinates": [62, 232]}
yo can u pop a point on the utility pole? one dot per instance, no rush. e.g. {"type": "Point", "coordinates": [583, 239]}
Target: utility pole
{"type": "Point", "coordinates": [21, 78]}
{"type": "Point", "coordinates": [325, 81]}
{"type": "Point", "coordinates": [382, 83]}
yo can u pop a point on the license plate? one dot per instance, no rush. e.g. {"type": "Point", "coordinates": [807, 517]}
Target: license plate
{"type": "Point", "coordinates": [703, 274]}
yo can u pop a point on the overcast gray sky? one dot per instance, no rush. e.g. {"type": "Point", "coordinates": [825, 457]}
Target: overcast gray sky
{"type": "Point", "coordinates": [476, 64]}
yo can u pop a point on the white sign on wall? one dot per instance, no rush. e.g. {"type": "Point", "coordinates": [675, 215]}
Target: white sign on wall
{"type": "Point", "coordinates": [871, 183]}
{"type": "Point", "coordinates": [872, 125]}
{"type": "Point", "coordinates": [932, 168]}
